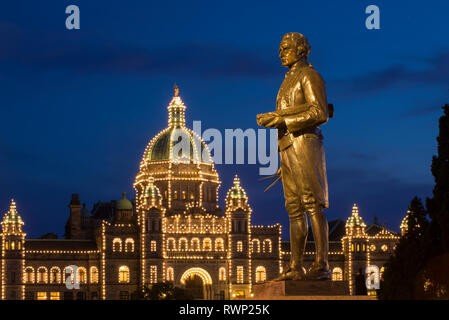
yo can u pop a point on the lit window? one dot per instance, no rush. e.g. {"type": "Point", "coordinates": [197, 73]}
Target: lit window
{"type": "Point", "coordinates": [69, 272]}
{"type": "Point", "coordinates": [170, 274]}
{"type": "Point", "coordinates": [123, 274]}
{"type": "Point", "coordinates": [195, 244]}
{"type": "Point", "coordinates": [207, 244]}
{"type": "Point", "coordinates": [171, 244]}
{"type": "Point", "coordinates": [358, 247]}
{"type": "Point", "coordinates": [42, 275]}
{"type": "Point", "coordinates": [352, 247]}
{"type": "Point", "coordinates": [13, 245]}
{"type": "Point", "coordinates": [337, 274]}
{"type": "Point", "coordinates": [129, 245]}
{"type": "Point", "coordinates": [165, 194]}
{"type": "Point", "coordinates": [93, 275]}
{"type": "Point", "coordinates": [153, 274]}
{"type": "Point", "coordinates": [117, 245]}
{"type": "Point", "coordinates": [267, 246]}
{"type": "Point", "coordinates": [222, 274]}
{"type": "Point", "coordinates": [239, 274]}
{"type": "Point", "coordinates": [382, 270]}
{"type": "Point", "coordinates": [183, 244]}
{"type": "Point", "coordinates": [256, 245]}
{"type": "Point", "coordinates": [153, 245]}
{"type": "Point", "coordinates": [19, 245]}
{"type": "Point", "coordinates": [239, 246]}
{"type": "Point", "coordinates": [175, 196]}
{"type": "Point", "coordinates": [55, 275]}
{"type": "Point", "coordinates": [42, 296]}
{"type": "Point", "coordinates": [261, 274]}
{"type": "Point", "coordinates": [7, 244]}
{"type": "Point", "coordinates": [219, 244]}
{"type": "Point", "coordinates": [29, 275]}
{"type": "Point", "coordinates": [82, 275]}
{"type": "Point", "coordinates": [363, 247]}
{"type": "Point", "coordinates": [55, 296]}
{"type": "Point", "coordinates": [184, 196]}
{"type": "Point", "coordinates": [192, 196]}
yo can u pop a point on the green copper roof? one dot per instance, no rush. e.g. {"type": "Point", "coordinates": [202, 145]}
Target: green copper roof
{"type": "Point", "coordinates": [124, 204]}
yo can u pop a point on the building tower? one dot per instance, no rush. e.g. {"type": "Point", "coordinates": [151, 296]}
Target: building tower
{"type": "Point", "coordinates": [13, 255]}
{"type": "Point", "coordinates": [238, 214]}
{"type": "Point", "coordinates": [355, 247]}
{"type": "Point", "coordinates": [151, 235]}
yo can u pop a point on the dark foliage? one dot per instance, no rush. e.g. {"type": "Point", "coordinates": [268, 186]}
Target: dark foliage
{"type": "Point", "coordinates": [162, 291]}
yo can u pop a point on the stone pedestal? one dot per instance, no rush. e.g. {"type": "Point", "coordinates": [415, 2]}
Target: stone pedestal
{"type": "Point", "coordinates": [290, 288]}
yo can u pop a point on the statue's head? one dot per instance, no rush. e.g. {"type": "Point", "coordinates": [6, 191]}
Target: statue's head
{"type": "Point", "coordinates": [294, 47]}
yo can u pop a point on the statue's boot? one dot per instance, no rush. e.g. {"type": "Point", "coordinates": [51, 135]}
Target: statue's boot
{"type": "Point", "coordinates": [298, 237]}
{"type": "Point", "coordinates": [320, 268]}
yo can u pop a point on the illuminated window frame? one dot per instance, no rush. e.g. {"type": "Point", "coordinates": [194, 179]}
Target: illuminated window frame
{"type": "Point", "coordinates": [94, 275]}
{"type": "Point", "coordinates": [55, 275]}
{"type": "Point", "coordinates": [129, 242]}
{"type": "Point", "coordinates": [267, 246]}
{"type": "Point", "coordinates": [261, 274]}
{"type": "Point", "coordinates": [117, 245]}
{"type": "Point", "coordinates": [123, 274]}
{"type": "Point", "coordinates": [170, 274]}
{"type": "Point", "coordinates": [42, 275]}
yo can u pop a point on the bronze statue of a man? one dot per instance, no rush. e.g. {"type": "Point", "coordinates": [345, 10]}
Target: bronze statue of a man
{"type": "Point", "coordinates": [301, 107]}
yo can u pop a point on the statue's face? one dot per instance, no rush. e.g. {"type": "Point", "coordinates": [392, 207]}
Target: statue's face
{"type": "Point", "coordinates": [288, 52]}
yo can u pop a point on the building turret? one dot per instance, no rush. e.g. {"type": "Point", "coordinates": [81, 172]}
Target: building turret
{"type": "Point", "coordinates": [73, 225]}
{"type": "Point", "coordinates": [13, 255]}
{"type": "Point", "coordinates": [238, 214]}
{"type": "Point", "coordinates": [355, 247]}
{"type": "Point", "coordinates": [124, 210]}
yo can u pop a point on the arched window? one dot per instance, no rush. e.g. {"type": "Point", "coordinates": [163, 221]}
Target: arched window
{"type": "Point", "coordinates": [192, 196]}
{"type": "Point", "coordinates": [68, 272]}
{"type": "Point", "coordinates": [207, 244]}
{"type": "Point", "coordinates": [55, 275]}
{"type": "Point", "coordinates": [29, 275]}
{"type": "Point", "coordinates": [129, 245]}
{"type": "Point", "coordinates": [337, 274]}
{"type": "Point", "coordinates": [82, 275]}
{"type": "Point", "coordinates": [117, 245]}
{"type": "Point", "coordinates": [13, 245]}
{"type": "Point", "coordinates": [267, 246]}
{"type": "Point", "coordinates": [123, 274]}
{"type": "Point", "coordinates": [19, 245]}
{"type": "Point", "coordinates": [256, 245]}
{"type": "Point", "coordinates": [352, 247]}
{"type": "Point", "coordinates": [239, 246]}
{"type": "Point", "coordinates": [170, 274]}
{"type": "Point", "coordinates": [261, 274]}
{"type": "Point", "coordinates": [183, 244]}
{"type": "Point", "coordinates": [219, 244]}
{"type": "Point", "coordinates": [93, 275]}
{"type": "Point", "coordinates": [358, 247]}
{"type": "Point", "coordinates": [153, 274]}
{"type": "Point", "coordinates": [222, 274]}
{"type": "Point", "coordinates": [42, 275]}
{"type": "Point", "coordinates": [7, 245]}
{"type": "Point", "coordinates": [184, 195]}
{"type": "Point", "coordinates": [195, 244]}
{"type": "Point", "coordinates": [171, 245]}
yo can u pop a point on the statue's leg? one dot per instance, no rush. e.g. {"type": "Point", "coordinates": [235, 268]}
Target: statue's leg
{"type": "Point", "coordinates": [318, 222]}
{"type": "Point", "coordinates": [297, 217]}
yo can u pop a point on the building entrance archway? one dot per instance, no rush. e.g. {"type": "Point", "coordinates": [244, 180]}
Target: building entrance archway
{"type": "Point", "coordinates": [198, 283]}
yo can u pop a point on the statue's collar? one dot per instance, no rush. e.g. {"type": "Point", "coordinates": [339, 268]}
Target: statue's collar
{"type": "Point", "coordinates": [298, 65]}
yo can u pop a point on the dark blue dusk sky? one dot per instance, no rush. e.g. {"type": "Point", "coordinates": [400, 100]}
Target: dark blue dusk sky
{"type": "Point", "coordinates": [78, 107]}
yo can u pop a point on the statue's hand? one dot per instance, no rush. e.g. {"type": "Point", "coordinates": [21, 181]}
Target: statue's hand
{"type": "Point", "coordinates": [270, 120]}
{"type": "Point", "coordinates": [265, 118]}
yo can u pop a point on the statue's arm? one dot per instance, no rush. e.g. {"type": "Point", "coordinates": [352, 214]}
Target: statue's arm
{"type": "Point", "coordinates": [316, 112]}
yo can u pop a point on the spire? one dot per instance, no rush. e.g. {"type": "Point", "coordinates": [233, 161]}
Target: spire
{"type": "Point", "coordinates": [176, 111]}
{"type": "Point", "coordinates": [12, 222]}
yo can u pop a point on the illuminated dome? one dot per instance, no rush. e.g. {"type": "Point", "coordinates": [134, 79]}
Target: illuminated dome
{"type": "Point", "coordinates": [160, 147]}
{"type": "Point", "coordinates": [12, 216]}
{"type": "Point", "coordinates": [177, 171]}
{"type": "Point", "coordinates": [123, 203]}
{"type": "Point", "coordinates": [355, 220]}
{"type": "Point", "coordinates": [236, 191]}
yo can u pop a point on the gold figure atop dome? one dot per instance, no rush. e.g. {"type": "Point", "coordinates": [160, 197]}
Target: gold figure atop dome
{"type": "Point", "coordinates": [176, 90]}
